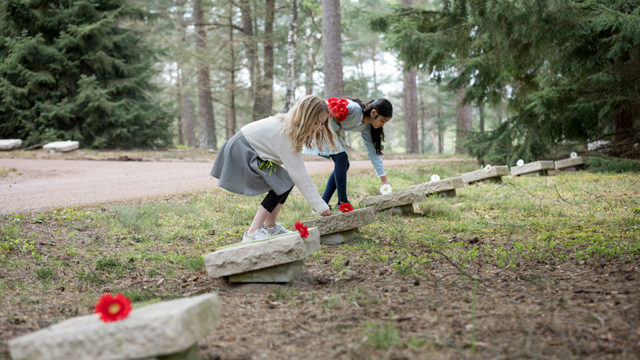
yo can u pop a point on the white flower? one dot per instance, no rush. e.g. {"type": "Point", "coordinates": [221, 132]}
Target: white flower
{"type": "Point", "coordinates": [574, 155]}
{"type": "Point", "coordinates": [435, 177]}
{"type": "Point", "coordinates": [487, 168]}
{"type": "Point", "coordinates": [520, 162]}
{"type": "Point", "coordinates": [385, 189]}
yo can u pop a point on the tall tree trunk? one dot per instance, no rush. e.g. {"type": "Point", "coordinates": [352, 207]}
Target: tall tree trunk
{"type": "Point", "coordinates": [332, 49]}
{"type": "Point", "coordinates": [623, 136]}
{"type": "Point", "coordinates": [463, 119]}
{"type": "Point", "coordinates": [205, 109]}
{"type": "Point", "coordinates": [410, 105]}
{"type": "Point", "coordinates": [231, 109]}
{"type": "Point", "coordinates": [291, 58]}
{"type": "Point", "coordinates": [180, 124]}
{"type": "Point", "coordinates": [481, 110]}
{"type": "Point", "coordinates": [267, 85]}
{"type": "Point", "coordinates": [439, 121]}
{"type": "Point", "coordinates": [251, 49]}
{"type": "Point", "coordinates": [189, 133]}
{"type": "Point", "coordinates": [187, 108]}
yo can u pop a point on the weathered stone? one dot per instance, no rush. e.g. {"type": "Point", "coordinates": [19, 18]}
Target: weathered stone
{"type": "Point", "coordinates": [538, 167]}
{"type": "Point", "coordinates": [62, 146]}
{"type": "Point", "coordinates": [156, 330]}
{"type": "Point", "coordinates": [567, 164]}
{"type": "Point", "coordinates": [341, 222]}
{"type": "Point", "coordinates": [495, 174]}
{"type": "Point", "coordinates": [445, 187]}
{"type": "Point", "coordinates": [396, 199]}
{"type": "Point", "coordinates": [339, 237]}
{"type": "Point", "coordinates": [243, 257]}
{"type": "Point", "coordinates": [274, 274]}
{"type": "Point", "coordinates": [402, 210]}
{"type": "Point", "coordinates": [10, 144]}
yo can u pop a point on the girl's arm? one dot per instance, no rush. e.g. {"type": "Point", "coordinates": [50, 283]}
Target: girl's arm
{"type": "Point", "coordinates": [376, 161]}
{"type": "Point", "coordinates": [292, 161]}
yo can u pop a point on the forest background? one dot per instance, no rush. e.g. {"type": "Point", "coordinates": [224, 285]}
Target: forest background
{"type": "Point", "coordinates": [500, 79]}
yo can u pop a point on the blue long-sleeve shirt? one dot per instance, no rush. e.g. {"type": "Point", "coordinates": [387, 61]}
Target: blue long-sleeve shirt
{"type": "Point", "coordinates": [353, 122]}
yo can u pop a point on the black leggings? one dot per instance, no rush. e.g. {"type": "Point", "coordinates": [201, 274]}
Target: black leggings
{"type": "Point", "coordinates": [272, 200]}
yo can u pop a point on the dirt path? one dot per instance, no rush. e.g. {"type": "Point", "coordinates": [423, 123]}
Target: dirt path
{"type": "Point", "coordinates": [38, 185]}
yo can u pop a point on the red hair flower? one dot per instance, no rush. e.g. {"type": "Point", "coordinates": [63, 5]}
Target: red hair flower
{"type": "Point", "coordinates": [302, 229]}
{"type": "Point", "coordinates": [338, 108]}
{"type": "Point", "coordinates": [113, 308]}
{"type": "Point", "coordinates": [345, 207]}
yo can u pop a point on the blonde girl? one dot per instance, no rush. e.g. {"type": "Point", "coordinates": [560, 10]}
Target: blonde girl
{"type": "Point", "coordinates": [250, 162]}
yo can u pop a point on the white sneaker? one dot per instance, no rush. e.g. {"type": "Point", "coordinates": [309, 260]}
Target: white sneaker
{"type": "Point", "coordinates": [277, 229]}
{"type": "Point", "coordinates": [258, 235]}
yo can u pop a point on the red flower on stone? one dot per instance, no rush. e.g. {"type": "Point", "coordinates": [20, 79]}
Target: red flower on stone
{"type": "Point", "coordinates": [302, 229]}
{"type": "Point", "coordinates": [346, 207]}
{"type": "Point", "coordinates": [113, 308]}
{"type": "Point", "coordinates": [338, 108]}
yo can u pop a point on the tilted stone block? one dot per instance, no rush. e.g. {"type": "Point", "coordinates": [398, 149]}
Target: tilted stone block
{"type": "Point", "coordinates": [10, 144]}
{"type": "Point", "coordinates": [441, 186]}
{"type": "Point", "coordinates": [495, 173]}
{"type": "Point", "coordinates": [63, 146]}
{"type": "Point", "coordinates": [538, 167]}
{"type": "Point", "coordinates": [275, 274]}
{"type": "Point", "coordinates": [342, 222]}
{"type": "Point", "coordinates": [151, 331]}
{"type": "Point", "coordinates": [242, 257]}
{"type": "Point", "coordinates": [569, 163]}
{"type": "Point", "coordinates": [396, 199]}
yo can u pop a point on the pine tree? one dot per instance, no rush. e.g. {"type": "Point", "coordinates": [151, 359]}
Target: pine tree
{"type": "Point", "coordinates": [568, 68]}
{"type": "Point", "coordinates": [69, 71]}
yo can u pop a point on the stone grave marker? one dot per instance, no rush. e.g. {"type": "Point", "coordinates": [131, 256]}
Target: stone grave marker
{"type": "Point", "coordinates": [162, 331]}
{"type": "Point", "coordinates": [276, 259]}
{"type": "Point", "coordinates": [400, 203]}
{"type": "Point", "coordinates": [62, 146]}
{"type": "Point", "coordinates": [494, 175]}
{"type": "Point", "coordinates": [10, 144]}
{"type": "Point", "coordinates": [444, 188]}
{"type": "Point", "coordinates": [338, 228]}
{"type": "Point", "coordinates": [571, 164]}
{"type": "Point", "coordinates": [533, 169]}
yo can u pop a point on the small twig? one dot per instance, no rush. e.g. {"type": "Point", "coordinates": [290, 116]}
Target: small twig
{"type": "Point", "coordinates": [560, 196]}
{"type": "Point", "coordinates": [450, 262]}
{"type": "Point", "coordinates": [592, 314]}
{"type": "Point", "coordinates": [597, 197]}
{"type": "Point", "coordinates": [503, 184]}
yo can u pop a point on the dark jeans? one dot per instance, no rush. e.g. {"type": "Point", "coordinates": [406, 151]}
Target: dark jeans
{"type": "Point", "coordinates": [272, 200]}
{"type": "Point", "coordinates": [338, 179]}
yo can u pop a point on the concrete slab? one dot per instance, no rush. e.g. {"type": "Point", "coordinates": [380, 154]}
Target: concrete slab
{"type": "Point", "coordinates": [339, 237]}
{"type": "Point", "coordinates": [396, 199]}
{"type": "Point", "coordinates": [10, 144]}
{"type": "Point", "coordinates": [275, 274]}
{"type": "Point", "coordinates": [152, 331]}
{"type": "Point", "coordinates": [445, 187]}
{"type": "Point", "coordinates": [570, 164]}
{"type": "Point", "coordinates": [243, 257]}
{"type": "Point", "coordinates": [62, 146]}
{"type": "Point", "coordinates": [495, 174]}
{"type": "Point", "coordinates": [537, 168]}
{"type": "Point", "coordinates": [340, 223]}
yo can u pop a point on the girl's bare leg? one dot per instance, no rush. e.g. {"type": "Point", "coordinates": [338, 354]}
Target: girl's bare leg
{"type": "Point", "coordinates": [273, 217]}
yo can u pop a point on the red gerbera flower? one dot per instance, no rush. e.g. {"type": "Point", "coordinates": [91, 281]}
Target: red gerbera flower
{"type": "Point", "coordinates": [345, 207]}
{"type": "Point", "coordinates": [113, 308]}
{"type": "Point", "coordinates": [338, 108]}
{"type": "Point", "coordinates": [302, 229]}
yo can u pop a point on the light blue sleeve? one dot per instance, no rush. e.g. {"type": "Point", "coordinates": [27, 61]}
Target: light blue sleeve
{"type": "Point", "coordinates": [376, 161]}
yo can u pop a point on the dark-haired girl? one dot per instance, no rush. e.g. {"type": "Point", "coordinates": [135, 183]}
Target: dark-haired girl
{"type": "Point", "coordinates": [367, 119]}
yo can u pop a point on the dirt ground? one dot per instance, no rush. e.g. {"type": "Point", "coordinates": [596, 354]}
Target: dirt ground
{"type": "Point", "coordinates": [541, 311]}
{"type": "Point", "coordinates": [34, 185]}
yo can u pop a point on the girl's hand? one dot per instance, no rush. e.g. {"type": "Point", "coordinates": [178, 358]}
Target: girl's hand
{"type": "Point", "coordinates": [326, 213]}
{"type": "Point", "coordinates": [385, 181]}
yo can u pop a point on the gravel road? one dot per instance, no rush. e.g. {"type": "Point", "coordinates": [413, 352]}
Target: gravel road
{"type": "Point", "coordinates": [38, 185]}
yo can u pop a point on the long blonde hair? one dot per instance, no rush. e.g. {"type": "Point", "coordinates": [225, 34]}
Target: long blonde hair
{"type": "Point", "coordinates": [299, 122]}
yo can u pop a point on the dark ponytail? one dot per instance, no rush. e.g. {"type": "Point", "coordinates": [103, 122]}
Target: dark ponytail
{"type": "Point", "coordinates": [384, 108]}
